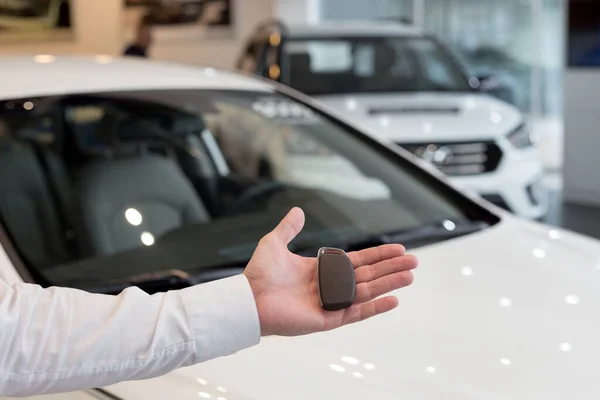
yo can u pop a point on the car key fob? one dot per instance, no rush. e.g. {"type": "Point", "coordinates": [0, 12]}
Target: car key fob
{"type": "Point", "coordinates": [336, 280]}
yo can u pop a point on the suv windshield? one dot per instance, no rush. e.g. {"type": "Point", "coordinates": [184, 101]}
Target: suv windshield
{"type": "Point", "coordinates": [372, 64]}
{"type": "Point", "coordinates": [106, 188]}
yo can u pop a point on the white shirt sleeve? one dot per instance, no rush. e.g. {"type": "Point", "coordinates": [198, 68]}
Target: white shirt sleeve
{"type": "Point", "coordinates": [58, 339]}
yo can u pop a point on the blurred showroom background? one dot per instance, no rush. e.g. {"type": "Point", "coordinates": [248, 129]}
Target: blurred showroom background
{"type": "Point", "coordinates": [519, 43]}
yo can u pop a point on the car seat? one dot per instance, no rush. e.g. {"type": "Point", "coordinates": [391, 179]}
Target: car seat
{"type": "Point", "coordinates": [131, 197]}
{"type": "Point", "coordinates": [27, 207]}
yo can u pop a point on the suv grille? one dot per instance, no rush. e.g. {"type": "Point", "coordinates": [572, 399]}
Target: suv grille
{"type": "Point", "coordinates": [458, 158]}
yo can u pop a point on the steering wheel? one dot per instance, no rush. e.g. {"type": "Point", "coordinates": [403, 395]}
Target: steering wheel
{"type": "Point", "coordinates": [256, 192]}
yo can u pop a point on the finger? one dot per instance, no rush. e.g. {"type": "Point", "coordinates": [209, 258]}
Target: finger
{"type": "Point", "coordinates": [360, 312]}
{"type": "Point", "coordinates": [289, 226]}
{"type": "Point", "coordinates": [386, 267]}
{"type": "Point", "coordinates": [370, 290]}
{"type": "Point", "coordinates": [375, 254]}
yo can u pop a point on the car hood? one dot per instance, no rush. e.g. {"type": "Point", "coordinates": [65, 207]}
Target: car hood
{"type": "Point", "coordinates": [507, 313]}
{"type": "Point", "coordinates": [424, 117]}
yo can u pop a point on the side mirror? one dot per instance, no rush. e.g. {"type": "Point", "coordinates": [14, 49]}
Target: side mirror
{"type": "Point", "coordinates": [487, 82]}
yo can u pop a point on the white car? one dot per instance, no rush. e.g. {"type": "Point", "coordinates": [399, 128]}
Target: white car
{"type": "Point", "coordinates": [407, 88]}
{"type": "Point", "coordinates": [109, 180]}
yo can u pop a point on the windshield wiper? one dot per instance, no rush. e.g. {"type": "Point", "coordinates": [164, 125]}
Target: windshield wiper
{"type": "Point", "coordinates": [432, 233]}
{"type": "Point", "coordinates": [162, 281]}
{"type": "Point", "coordinates": [173, 279]}
{"type": "Point", "coordinates": [152, 282]}
{"type": "Point", "coordinates": [410, 237]}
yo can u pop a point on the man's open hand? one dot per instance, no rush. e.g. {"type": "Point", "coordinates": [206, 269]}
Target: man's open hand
{"type": "Point", "coordinates": [285, 284]}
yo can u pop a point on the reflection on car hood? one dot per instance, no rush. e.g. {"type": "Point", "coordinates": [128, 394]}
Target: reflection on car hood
{"type": "Point", "coordinates": [506, 313]}
{"type": "Point", "coordinates": [419, 117]}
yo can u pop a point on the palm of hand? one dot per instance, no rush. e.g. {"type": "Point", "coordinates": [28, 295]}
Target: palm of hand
{"type": "Point", "coordinates": [290, 297]}
{"type": "Point", "coordinates": [286, 290]}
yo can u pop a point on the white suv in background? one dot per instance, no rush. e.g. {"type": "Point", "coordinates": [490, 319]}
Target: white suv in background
{"type": "Point", "coordinates": [406, 87]}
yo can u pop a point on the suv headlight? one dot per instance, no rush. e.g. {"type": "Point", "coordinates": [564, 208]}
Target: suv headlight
{"type": "Point", "coordinates": [521, 137]}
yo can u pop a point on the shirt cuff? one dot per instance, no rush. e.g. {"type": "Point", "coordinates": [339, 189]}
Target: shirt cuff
{"type": "Point", "coordinates": [223, 316]}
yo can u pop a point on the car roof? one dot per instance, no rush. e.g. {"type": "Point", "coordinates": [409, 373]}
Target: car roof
{"type": "Point", "coordinates": [48, 75]}
{"type": "Point", "coordinates": [353, 28]}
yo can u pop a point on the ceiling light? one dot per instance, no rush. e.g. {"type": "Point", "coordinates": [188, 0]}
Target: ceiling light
{"type": "Point", "coordinates": [350, 360]}
{"type": "Point", "coordinates": [505, 361]}
{"type": "Point", "coordinates": [369, 366]}
{"type": "Point", "coordinates": [133, 216]}
{"type": "Point", "coordinates": [539, 253]}
{"type": "Point", "coordinates": [505, 302]}
{"type": "Point", "coordinates": [351, 104]}
{"type": "Point", "coordinates": [337, 368]}
{"type": "Point", "coordinates": [147, 238]}
{"type": "Point", "coordinates": [566, 347]}
{"type": "Point", "coordinates": [496, 117]}
{"type": "Point", "coordinates": [449, 225]}
{"type": "Point", "coordinates": [572, 299]}
{"type": "Point", "coordinates": [430, 370]}
{"type": "Point", "coordinates": [466, 271]}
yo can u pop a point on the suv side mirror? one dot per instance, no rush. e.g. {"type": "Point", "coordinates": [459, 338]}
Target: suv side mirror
{"type": "Point", "coordinates": [487, 82]}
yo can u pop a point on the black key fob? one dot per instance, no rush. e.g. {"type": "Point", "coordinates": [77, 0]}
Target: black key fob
{"type": "Point", "coordinates": [337, 283]}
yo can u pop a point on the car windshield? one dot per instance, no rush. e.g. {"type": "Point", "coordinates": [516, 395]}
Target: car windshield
{"type": "Point", "coordinates": [372, 64]}
{"type": "Point", "coordinates": [105, 188]}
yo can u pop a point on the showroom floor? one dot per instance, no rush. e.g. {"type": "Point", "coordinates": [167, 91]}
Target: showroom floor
{"type": "Point", "coordinates": [580, 219]}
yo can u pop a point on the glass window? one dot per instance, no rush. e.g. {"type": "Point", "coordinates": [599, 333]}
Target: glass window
{"type": "Point", "coordinates": [493, 38]}
{"type": "Point", "coordinates": [344, 9]}
{"type": "Point", "coordinates": [372, 64]}
{"type": "Point", "coordinates": [329, 56]}
{"type": "Point", "coordinates": [193, 178]}
{"type": "Point", "coordinates": [435, 65]}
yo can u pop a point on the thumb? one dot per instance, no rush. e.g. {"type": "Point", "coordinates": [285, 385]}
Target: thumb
{"type": "Point", "coordinates": [290, 226]}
